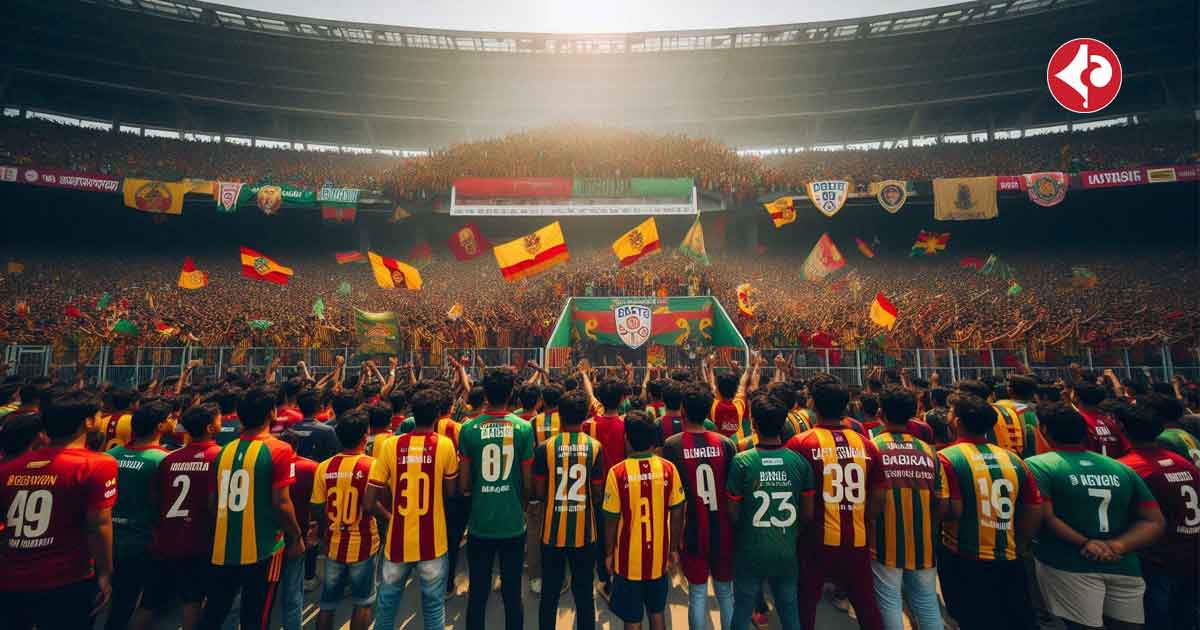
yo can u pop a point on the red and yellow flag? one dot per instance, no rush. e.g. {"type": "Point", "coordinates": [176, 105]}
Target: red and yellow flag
{"type": "Point", "coordinates": [883, 312]}
{"type": "Point", "coordinates": [783, 210]}
{"type": "Point", "coordinates": [863, 248]}
{"type": "Point", "coordinates": [533, 253]}
{"type": "Point", "coordinates": [743, 299]}
{"type": "Point", "coordinates": [191, 277]}
{"type": "Point", "coordinates": [344, 258]}
{"type": "Point", "coordinates": [393, 274]}
{"type": "Point", "coordinates": [258, 267]}
{"type": "Point", "coordinates": [637, 243]}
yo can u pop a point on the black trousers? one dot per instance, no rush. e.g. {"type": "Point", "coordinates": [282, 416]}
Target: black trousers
{"type": "Point", "coordinates": [458, 510]}
{"type": "Point", "coordinates": [64, 608]}
{"type": "Point", "coordinates": [973, 587]}
{"type": "Point", "coordinates": [130, 573]}
{"type": "Point", "coordinates": [481, 553]}
{"type": "Point", "coordinates": [554, 571]}
{"type": "Point", "coordinates": [257, 584]}
{"type": "Point", "coordinates": [601, 571]}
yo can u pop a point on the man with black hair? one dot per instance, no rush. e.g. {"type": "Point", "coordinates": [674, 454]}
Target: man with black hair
{"type": "Point", "coordinates": [379, 426]}
{"type": "Point", "coordinates": [938, 418]}
{"type": "Point", "coordinates": [530, 398]}
{"type": "Point", "coordinates": [729, 409]}
{"type": "Point", "coordinates": [1009, 431]}
{"type": "Point", "coordinates": [901, 403]}
{"type": "Point", "coordinates": [770, 491]}
{"type": "Point", "coordinates": [994, 510]}
{"type": "Point", "coordinates": [311, 438]}
{"type": "Point", "coordinates": [256, 523]}
{"type": "Point", "coordinates": [869, 403]}
{"type": "Point", "coordinates": [654, 398]}
{"type": "Point", "coordinates": [846, 468]}
{"type": "Point", "coordinates": [347, 529]}
{"type": "Point", "coordinates": [608, 428]}
{"type": "Point", "coordinates": [1169, 564]}
{"type": "Point", "coordinates": [643, 506]}
{"type": "Point", "coordinates": [114, 425]}
{"type": "Point", "coordinates": [1022, 395]}
{"type": "Point", "coordinates": [702, 458]}
{"type": "Point", "coordinates": [1098, 513]}
{"type": "Point", "coordinates": [288, 412]}
{"type": "Point", "coordinates": [675, 395]}
{"type": "Point", "coordinates": [1104, 435]}
{"type": "Point", "coordinates": [398, 397]}
{"type": "Point", "coordinates": [30, 395]}
{"type": "Point", "coordinates": [183, 532]}
{"type": "Point", "coordinates": [496, 471]}
{"type": "Point", "coordinates": [135, 513]}
{"type": "Point", "coordinates": [58, 500]}
{"type": "Point", "coordinates": [21, 433]}
{"type": "Point", "coordinates": [1169, 412]}
{"type": "Point", "coordinates": [568, 476]}
{"type": "Point", "coordinates": [794, 423]}
{"type": "Point", "coordinates": [230, 427]}
{"type": "Point", "coordinates": [413, 473]}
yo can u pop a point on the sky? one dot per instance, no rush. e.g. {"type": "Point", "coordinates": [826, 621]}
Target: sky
{"type": "Point", "coordinates": [583, 16]}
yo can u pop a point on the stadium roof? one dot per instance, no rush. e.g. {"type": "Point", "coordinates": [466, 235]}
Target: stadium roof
{"type": "Point", "coordinates": [903, 23]}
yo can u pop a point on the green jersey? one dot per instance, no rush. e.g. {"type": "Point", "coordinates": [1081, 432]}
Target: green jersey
{"type": "Point", "coordinates": [1182, 443]}
{"type": "Point", "coordinates": [1096, 496]}
{"type": "Point", "coordinates": [134, 514]}
{"type": "Point", "coordinates": [497, 447]}
{"type": "Point", "coordinates": [768, 482]}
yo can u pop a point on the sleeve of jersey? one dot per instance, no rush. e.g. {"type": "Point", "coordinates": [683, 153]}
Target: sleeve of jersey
{"type": "Point", "coordinates": [733, 485]}
{"type": "Point", "coordinates": [1030, 493]}
{"type": "Point", "coordinates": [448, 460]}
{"type": "Point", "coordinates": [875, 479]}
{"type": "Point", "coordinates": [598, 466]}
{"type": "Point", "coordinates": [676, 495]}
{"type": "Point", "coordinates": [942, 488]}
{"type": "Point", "coordinates": [318, 489]}
{"type": "Point", "coordinates": [380, 472]}
{"type": "Point", "coordinates": [808, 481]}
{"type": "Point", "coordinates": [101, 483]}
{"type": "Point", "coordinates": [526, 454]}
{"type": "Point", "coordinates": [952, 489]}
{"type": "Point", "coordinates": [1141, 492]}
{"type": "Point", "coordinates": [540, 455]}
{"type": "Point", "coordinates": [612, 500]}
{"type": "Point", "coordinates": [465, 443]}
{"type": "Point", "coordinates": [283, 464]}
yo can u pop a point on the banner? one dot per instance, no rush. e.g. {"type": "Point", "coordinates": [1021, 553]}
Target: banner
{"type": "Point", "coordinates": [644, 187]}
{"type": "Point", "coordinates": [53, 178]}
{"type": "Point", "coordinates": [270, 198]}
{"type": "Point", "coordinates": [635, 322]}
{"type": "Point", "coordinates": [376, 333]}
{"type": "Point", "coordinates": [229, 196]}
{"type": "Point", "coordinates": [637, 243]}
{"type": "Point", "coordinates": [828, 195]}
{"type": "Point", "coordinates": [1046, 189]}
{"type": "Point", "coordinates": [1109, 178]}
{"type": "Point", "coordinates": [1009, 183]}
{"type": "Point", "coordinates": [571, 209]}
{"type": "Point", "coordinates": [331, 195]}
{"type": "Point", "coordinates": [890, 194]}
{"type": "Point", "coordinates": [964, 199]}
{"type": "Point", "coordinates": [148, 195]}
{"type": "Point", "coordinates": [468, 242]}
{"type": "Point", "coordinates": [532, 254]}
{"type": "Point", "coordinates": [823, 260]}
{"type": "Point", "coordinates": [533, 187]}
{"type": "Point", "coordinates": [693, 243]}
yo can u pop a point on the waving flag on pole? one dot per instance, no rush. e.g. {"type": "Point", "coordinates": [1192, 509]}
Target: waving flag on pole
{"type": "Point", "coordinates": [743, 299]}
{"type": "Point", "coordinates": [883, 312]}
{"type": "Point", "coordinates": [468, 242]}
{"type": "Point", "coordinates": [637, 243]}
{"type": "Point", "coordinates": [190, 277]}
{"type": "Point", "coordinates": [863, 248]}
{"type": "Point", "coordinates": [344, 258]}
{"type": "Point", "coordinates": [823, 260]}
{"type": "Point", "coordinates": [532, 254]}
{"type": "Point", "coordinates": [258, 267]}
{"type": "Point", "coordinates": [782, 211]}
{"type": "Point", "coordinates": [393, 274]}
{"type": "Point", "coordinates": [929, 243]}
{"type": "Point", "coordinates": [693, 243]}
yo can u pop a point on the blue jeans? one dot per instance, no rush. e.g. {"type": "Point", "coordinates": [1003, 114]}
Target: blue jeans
{"type": "Point", "coordinates": [919, 588]}
{"type": "Point", "coordinates": [291, 593]}
{"type": "Point", "coordinates": [746, 588]}
{"type": "Point", "coordinates": [359, 575]}
{"type": "Point", "coordinates": [432, 575]}
{"type": "Point", "coordinates": [698, 604]}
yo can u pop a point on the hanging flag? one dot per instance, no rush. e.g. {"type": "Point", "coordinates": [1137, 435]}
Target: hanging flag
{"type": "Point", "coordinates": [970, 262]}
{"type": "Point", "coordinates": [823, 260]}
{"type": "Point", "coordinates": [260, 324]}
{"type": "Point", "coordinates": [16, 268]}
{"type": "Point", "coordinates": [344, 288]}
{"type": "Point", "coordinates": [467, 242]}
{"type": "Point", "coordinates": [165, 329]}
{"type": "Point", "coordinates": [743, 299]}
{"type": "Point", "coordinates": [190, 277]}
{"type": "Point", "coordinates": [421, 252]}
{"type": "Point", "coordinates": [319, 308]}
{"type": "Point", "coordinates": [532, 254]}
{"type": "Point", "coordinates": [890, 194]}
{"type": "Point", "coordinates": [863, 248]}
{"type": "Point", "coordinates": [883, 312]}
{"type": "Point", "coordinates": [72, 311]}
{"type": "Point", "coordinates": [258, 267]}
{"type": "Point", "coordinates": [125, 327]}
{"type": "Point", "coordinates": [393, 274]}
{"type": "Point", "coordinates": [964, 199]}
{"type": "Point", "coordinates": [229, 196]}
{"type": "Point", "coordinates": [828, 195]}
{"type": "Point", "coordinates": [344, 258]}
{"type": "Point", "coordinates": [338, 213]}
{"type": "Point", "coordinates": [929, 243]}
{"type": "Point", "coordinates": [1083, 278]}
{"type": "Point", "coordinates": [455, 313]}
{"type": "Point", "coordinates": [104, 301]}
{"type": "Point", "coordinates": [154, 196]}
{"type": "Point", "coordinates": [637, 243]}
{"type": "Point", "coordinates": [399, 214]}
{"type": "Point", "coordinates": [782, 211]}
{"type": "Point", "coordinates": [993, 267]}
{"type": "Point", "coordinates": [693, 243]}
{"type": "Point", "coordinates": [1014, 288]}
{"type": "Point", "coordinates": [1046, 189]}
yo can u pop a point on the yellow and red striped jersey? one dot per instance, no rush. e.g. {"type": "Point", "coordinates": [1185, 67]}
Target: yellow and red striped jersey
{"type": "Point", "coordinates": [846, 468]}
{"type": "Point", "coordinates": [639, 492]}
{"type": "Point", "coordinates": [414, 467]}
{"type": "Point", "coordinates": [340, 486]}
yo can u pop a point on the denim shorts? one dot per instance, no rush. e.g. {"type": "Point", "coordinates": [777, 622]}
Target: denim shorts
{"type": "Point", "coordinates": [632, 599]}
{"type": "Point", "coordinates": [360, 575]}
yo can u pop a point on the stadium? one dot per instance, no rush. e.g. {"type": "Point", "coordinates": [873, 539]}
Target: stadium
{"type": "Point", "coordinates": [201, 198]}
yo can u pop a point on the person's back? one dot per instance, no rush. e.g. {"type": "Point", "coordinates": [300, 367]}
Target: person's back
{"type": "Point", "coordinates": [1104, 436]}
{"type": "Point", "coordinates": [609, 430]}
{"type": "Point", "coordinates": [1175, 483]}
{"type": "Point", "coordinates": [311, 438]}
{"type": "Point", "coordinates": [135, 513]}
{"type": "Point", "coordinates": [1182, 443]}
{"type": "Point", "coordinates": [247, 530]}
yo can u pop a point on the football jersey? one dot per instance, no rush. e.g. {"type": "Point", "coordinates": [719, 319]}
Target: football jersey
{"type": "Point", "coordinates": [915, 428]}
{"type": "Point", "coordinates": [768, 483]}
{"type": "Point", "coordinates": [340, 485]}
{"type": "Point", "coordinates": [301, 491]}
{"type": "Point", "coordinates": [545, 426]}
{"type": "Point", "coordinates": [375, 438]}
{"type": "Point", "coordinates": [702, 460]}
{"type": "Point", "coordinates": [800, 420]}
{"type": "Point", "coordinates": [248, 470]}
{"type": "Point", "coordinates": [1175, 484]}
{"type": "Point", "coordinates": [845, 468]}
{"type": "Point", "coordinates": [442, 426]}
{"type": "Point", "coordinates": [414, 467]}
{"type": "Point", "coordinates": [610, 432]}
{"type": "Point", "coordinates": [1096, 496]}
{"type": "Point", "coordinates": [46, 495]}
{"type": "Point", "coordinates": [117, 429]}
{"type": "Point", "coordinates": [1104, 436]}
{"type": "Point", "coordinates": [231, 428]}
{"type": "Point", "coordinates": [656, 409]}
{"type": "Point", "coordinates": [1182, 443]}
{"type": "Point", "coordinates": [672, 423]}
{"type": "Point", "coordinates": [135, 512]}
{"type": "Point", "coordinates": [185, 482]}
{"type": "Point", "coordinates": [639, 492]}
{"type": "Point", "coordinates": [730, 416]}
{"type": "Point", "coordinates": [285, 417]}
{"type": "Point", "coordinates": [496, 447]}
{"type": "Point", "coordinates": [905, 533]}
{"type": "Point", "coordinates": [571, 466]}
{"type": "Point", "coordinates": [991, 482]}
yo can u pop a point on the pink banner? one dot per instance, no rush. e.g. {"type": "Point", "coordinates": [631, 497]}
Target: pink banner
{"type": "Point", "coordinates": [1113, 177]}
{"type": "Point", "coordinates": [54, 178]}
{"type": "Point", "coordinates": [1009, 182]}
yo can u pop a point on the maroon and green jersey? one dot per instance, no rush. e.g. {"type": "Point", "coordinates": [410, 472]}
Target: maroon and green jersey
{"type": "Point", "coordinates": [1175, 483]}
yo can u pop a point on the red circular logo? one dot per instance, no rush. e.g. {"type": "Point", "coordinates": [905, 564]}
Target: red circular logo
{"type": "Point", "coordinates": [1084, 75]}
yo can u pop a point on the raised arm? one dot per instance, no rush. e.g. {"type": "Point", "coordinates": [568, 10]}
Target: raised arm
{"type": "Point", "coordinates": [186, 377]}
{"type": "Point", "coordinates": [755, 375]}
{"type": "Point", "coordinates": [303, 367]}
{"type": "Point", "coordinates": [390, 384]}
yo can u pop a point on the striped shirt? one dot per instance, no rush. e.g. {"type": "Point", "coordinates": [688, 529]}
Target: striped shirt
{"type": "Point", "coordinates": [414, 467]}
{"type": "Point", "coordinates": [639, 492]}
{"type": "Point", "coordinates": [905, 531]}
{"type": "Point", "coordinates": [846, 468]}
{"type": "Point", "coordinates": [117, 429]}
{"type": "Point", "coordinates": [340, 487]}
{"type": "Point", "coordinates": [248, 470]}
{"type": "Point", "coordinates": [545, 426]}
{"type": "Point", "coordinates": [990, 482]}
{"type": "Point", "coordinates": [571, 467]}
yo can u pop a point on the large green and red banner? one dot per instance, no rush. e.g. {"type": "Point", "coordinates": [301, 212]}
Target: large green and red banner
{"type": "Point", "coordinates": [582, 196]}
{"type": "Point", "coordinates": [634, 322]}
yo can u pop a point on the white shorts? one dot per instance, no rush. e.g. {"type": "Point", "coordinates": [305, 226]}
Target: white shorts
{"type": "Point", "coordinates": [1087, 598]}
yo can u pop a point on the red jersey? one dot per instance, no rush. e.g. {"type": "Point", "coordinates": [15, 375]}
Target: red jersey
{"type": "Point", "coordinates": [729, 416]}
{"type": "Point", "coordinates": [669, 425]}
{"type": "Point", "coordinates": [285, 417]}
{"type": "Point", "coordinates": [185, 481]}
{"type": "Point", "coordinates": [703, 460]}
{"type": "Point", "coordinates": [306, 471]}
{"type": "Point", "coordinates": [1104, 436]}
{"type": "Point", "coordinates": [46, 495]}
{"type": "Point", "coordinates": [846, 468]}
{"type": "Point", "coordinates": [610, 432]}
{"type": "Point", "coordinates": [1175, 483]}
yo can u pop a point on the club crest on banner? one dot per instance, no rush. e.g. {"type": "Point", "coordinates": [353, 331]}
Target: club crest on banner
{"type": "Point", "coordinates": [270, 199]}
{"type": "Point", "coordinates": [227, 194]}
{"type": "Point", "coordinates": [633, 324]}
{"type": "Point", "coordinates": [1046, 189]}
{"type": "Point", "coordinates": [829, 195]}
{"type": "Point", "coordinates": [891, 195]}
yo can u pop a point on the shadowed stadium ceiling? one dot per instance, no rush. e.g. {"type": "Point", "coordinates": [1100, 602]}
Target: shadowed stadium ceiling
{"type": "Point", "coordinates": [206, 67]}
